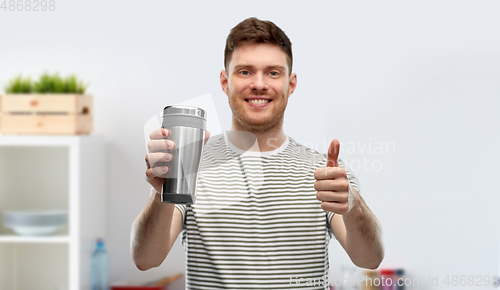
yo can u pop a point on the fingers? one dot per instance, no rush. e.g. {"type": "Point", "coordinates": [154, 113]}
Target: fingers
{"type": "Point", "coordinates": [158, 158]}
{"type": "Point", "coordinates": [160, 145]}
{"type": "Point", "coordinates": [336, 207]}
{"type": "Point", "coordinates": [162, 133]}
{"type": "Point", "coordinates": [152, 179]}
{"type": "Point", "coordinates": [147, 161]}
{"type": "Point", "coordinates": [207, 135]}
{"type": "Point", "coordinates": [158, 155]}
{"type": "Point", "coordinates": [149, 175]}
{"type": "Point", "coordinates": [159, 134]}
{"type": "Point", "coordinates": [152, 159]}
{"type": "Point", "coordinates": [158, 171]}
{"type": "Point", "coordinates": [329, 173]}
{"type": "Point", "coordinates": [332, 196]}
{"type": "Point", "coordinates": [339, 185]}
{"type": "Point", "coordinates": [158, 162]}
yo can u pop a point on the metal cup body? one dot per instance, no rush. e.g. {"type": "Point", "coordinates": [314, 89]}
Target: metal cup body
{"type": "Point", "coordinates": [180, 183]}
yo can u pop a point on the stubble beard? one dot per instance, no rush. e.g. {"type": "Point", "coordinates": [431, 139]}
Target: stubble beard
{"type": "Point", "coordinates": [252, 126]}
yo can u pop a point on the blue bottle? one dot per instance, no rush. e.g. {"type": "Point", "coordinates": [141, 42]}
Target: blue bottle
{"type": "Point", "coordinates": [99, 268]}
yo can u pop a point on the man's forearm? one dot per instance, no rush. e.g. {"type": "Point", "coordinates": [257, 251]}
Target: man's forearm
{"type": "Point", "coordinates": [363, 235]}
{"type": "Point", "coordinates": [150, 236]}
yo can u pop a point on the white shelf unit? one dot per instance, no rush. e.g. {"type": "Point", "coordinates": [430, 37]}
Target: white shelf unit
{"type": "Point", "coordinates": [52, 172]}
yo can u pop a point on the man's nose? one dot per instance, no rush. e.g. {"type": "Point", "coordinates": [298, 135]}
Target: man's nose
{"type": "Point", "coordinates": [259, 83]}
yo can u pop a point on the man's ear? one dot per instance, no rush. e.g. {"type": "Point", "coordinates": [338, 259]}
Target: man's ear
{"type": "Point", "coordinates": [224, 81]}
{"type": "Point", "coordinates": [292, 83]}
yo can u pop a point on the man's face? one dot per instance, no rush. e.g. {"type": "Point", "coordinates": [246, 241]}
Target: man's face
{"type": "Point", "coordinates": [258, 71]}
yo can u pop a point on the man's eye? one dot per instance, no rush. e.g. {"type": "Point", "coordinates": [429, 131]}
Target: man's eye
{"type": "Point", "coordinates": [274, 73]}
{"type": "Point", "coordinates": [244, 72]}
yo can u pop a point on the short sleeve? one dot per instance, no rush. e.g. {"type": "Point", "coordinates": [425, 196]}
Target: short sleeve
{"type": "Point", "coordinates": [329, 216]}
{"type": "Point", "coordinates": [182, 209]}
{"type": "Point", "coordinates": [353, 181]}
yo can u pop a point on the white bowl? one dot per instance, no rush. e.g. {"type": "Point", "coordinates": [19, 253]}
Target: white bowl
{"type": "Point", "coordinates": [35, 231]}
{"type": "Point", "coordinates": [35, 223]}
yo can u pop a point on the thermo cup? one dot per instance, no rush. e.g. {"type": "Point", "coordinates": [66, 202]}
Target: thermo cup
{"type": "Point", "coordinates": [187, 126]}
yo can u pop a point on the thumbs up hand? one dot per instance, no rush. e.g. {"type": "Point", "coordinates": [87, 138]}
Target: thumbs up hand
{"type": "Point", "coordinates": [332, 184]}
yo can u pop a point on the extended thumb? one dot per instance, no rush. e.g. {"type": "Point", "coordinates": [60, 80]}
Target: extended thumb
{"type": "Point", "coordinates": [333, 154]}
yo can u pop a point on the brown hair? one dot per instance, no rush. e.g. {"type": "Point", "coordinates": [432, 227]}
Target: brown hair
{"type": "Point", "coordinates": [253, 30]}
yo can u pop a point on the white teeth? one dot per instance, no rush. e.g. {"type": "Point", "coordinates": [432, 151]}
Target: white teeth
{"type": "Point", "coordinates": [258, 101]}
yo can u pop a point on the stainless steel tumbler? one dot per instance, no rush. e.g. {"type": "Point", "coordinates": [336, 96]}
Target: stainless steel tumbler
{"type": "Point", "coordinates": [187, 126]}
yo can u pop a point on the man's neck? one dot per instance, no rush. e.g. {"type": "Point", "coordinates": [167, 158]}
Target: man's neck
{"type": "Point", "coordinates": [267, 140]}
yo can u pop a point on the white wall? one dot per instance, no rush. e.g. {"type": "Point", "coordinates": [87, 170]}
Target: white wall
{"type": "Point", "coordinates": [422, 78]}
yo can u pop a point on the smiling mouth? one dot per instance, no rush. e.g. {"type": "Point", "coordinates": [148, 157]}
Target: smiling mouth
{"type": "Point", "coordinates": [258, 101]}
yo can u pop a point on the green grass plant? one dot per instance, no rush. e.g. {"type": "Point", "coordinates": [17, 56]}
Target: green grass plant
{"type": "Point", "coordinates": [19, 85]}
{"type": "Point", "coordinates": [47, 84]}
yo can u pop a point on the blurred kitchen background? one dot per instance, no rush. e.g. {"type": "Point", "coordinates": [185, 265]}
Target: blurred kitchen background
{"type": "Point", "coordinates": [411, 90]}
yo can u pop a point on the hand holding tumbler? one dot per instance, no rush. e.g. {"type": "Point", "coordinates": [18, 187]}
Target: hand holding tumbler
{"type": "Point", "coordinates": [187, 126]}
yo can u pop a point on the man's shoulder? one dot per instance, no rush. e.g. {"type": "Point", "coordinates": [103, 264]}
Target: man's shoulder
{"type": "Point", "coordinates": [304, 153]}
{"type": "Point", "coordinates": [216, 153]}
{"type": "Point", "coordinates": [215, 144]}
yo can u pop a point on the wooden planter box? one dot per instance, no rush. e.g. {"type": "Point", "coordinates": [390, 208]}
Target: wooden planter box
{"type": "Point", "coordinates": [46, 114]}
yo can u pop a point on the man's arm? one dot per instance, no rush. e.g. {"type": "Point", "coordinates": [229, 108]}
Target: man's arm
{"type": "Point", "coordinates": [360, 234]}
{"type": "Point", "coordinates": [156, 228]}
{"type": "Point", "coordinates": [353, 224]}
{"type": "Point", "coordinates": [154, 232]}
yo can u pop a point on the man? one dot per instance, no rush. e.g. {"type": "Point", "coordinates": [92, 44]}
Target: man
{"type": "Point", "coordinates": [275, 232]}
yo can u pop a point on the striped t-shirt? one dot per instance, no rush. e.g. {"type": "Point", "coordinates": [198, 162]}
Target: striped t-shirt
{"type": "Point", "coordinates": [256, 222]}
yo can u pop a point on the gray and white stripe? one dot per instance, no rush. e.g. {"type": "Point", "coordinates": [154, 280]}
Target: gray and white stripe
{"type": "Point", "coordinates": [256, 223]}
